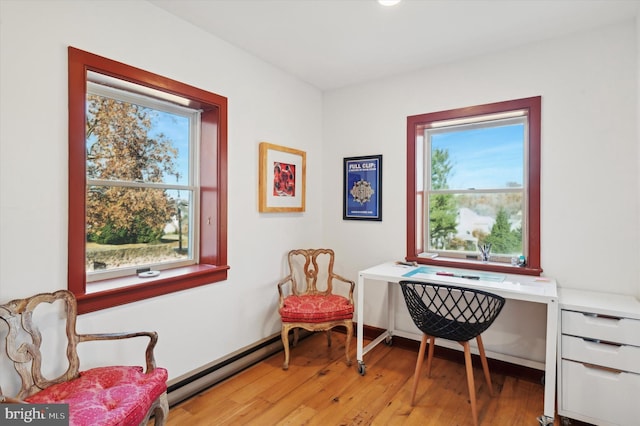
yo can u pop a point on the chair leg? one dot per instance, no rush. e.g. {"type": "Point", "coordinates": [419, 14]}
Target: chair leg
{"type": "Point", "coordinates": [161, 412]}
{"type": "Point", "coordinates": [349, 326]}
{"type": "Point", "coordinates": [285, 343]}
{"type": "Point", "coordinates": [472, 388]}
{"type": "Point", "coordinates": [485, 364]}
{"type": "Point", "coordinates": [329, 337]}
{"type": "Point", "coordinates": [419, 362]}
{"type": "Point", "coordinates": [295, 337]}
{"type": "Point", "coordinates": [432, 345]}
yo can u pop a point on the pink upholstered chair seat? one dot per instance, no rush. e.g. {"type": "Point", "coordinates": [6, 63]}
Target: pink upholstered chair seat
{"type": "Point", "coordinates": [107, 395]}
{"type": "Point", "coordinates": [316, 308]}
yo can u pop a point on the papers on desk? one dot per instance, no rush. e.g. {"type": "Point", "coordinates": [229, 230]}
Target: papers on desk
{"type": "Point", "coordinates": [489, 280]}
{"type": "Point", "coordinates": [430, 270]}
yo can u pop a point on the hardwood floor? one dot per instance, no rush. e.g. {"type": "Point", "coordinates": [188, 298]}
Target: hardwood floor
{"type": "Point", "coordinates": [320, 389]}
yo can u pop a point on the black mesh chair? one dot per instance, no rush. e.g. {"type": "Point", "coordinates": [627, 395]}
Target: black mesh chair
{"type": "Point", "coordinates": [452, 313]}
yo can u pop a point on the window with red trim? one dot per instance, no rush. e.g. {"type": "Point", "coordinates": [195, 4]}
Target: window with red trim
{"type": "Point", "coordinates": [473, 185]}
{"type": "Point", "coordinates": [147, 183]}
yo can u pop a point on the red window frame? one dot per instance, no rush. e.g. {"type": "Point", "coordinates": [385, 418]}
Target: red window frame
{"type": "Point", "coordinates": [417, 124]}
{"type": "Point", "coordinates": [212, 265]}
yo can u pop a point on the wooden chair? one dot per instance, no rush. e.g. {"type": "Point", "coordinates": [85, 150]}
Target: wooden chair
{"type": "Point", "coordinates": [309, 300]}
{"type": "Point", "coordinates": [453, 313]}
{"type": "Point", "coordinates": [114, 395]}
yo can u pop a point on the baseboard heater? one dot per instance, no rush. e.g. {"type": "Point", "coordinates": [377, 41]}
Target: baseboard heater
{"type": "Point", "coordinates": [196, 381]}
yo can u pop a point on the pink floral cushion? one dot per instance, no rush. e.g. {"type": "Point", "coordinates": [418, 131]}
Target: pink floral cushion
{"type": "Point", "coordinates": [316, 308]}
{"type": "Point", "coordinates": [106, 395]}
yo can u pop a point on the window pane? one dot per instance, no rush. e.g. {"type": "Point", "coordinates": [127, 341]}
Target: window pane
{"type": "Point", "coordinates": [459, 222]}
{"type": "Point", "coordinates": [141, 142]}
{"type": "Point", "coordinates": [131, 227]}
{"type": "Point", "coordinates": [477, 157]}
{"type": "Point", "coordinates": [173, 129]}
{"type": "Point", "coordinates": [134, 143]}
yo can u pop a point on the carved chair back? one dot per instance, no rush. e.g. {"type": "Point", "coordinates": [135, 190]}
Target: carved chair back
{"type": "Point", "coordinates": [56, 315]}
{"type": "Point", "coordinates": [24, 338]}
{"type": "Point", "coordinates": [311, 271]}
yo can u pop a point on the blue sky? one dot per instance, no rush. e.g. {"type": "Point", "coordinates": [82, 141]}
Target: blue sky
{"type": "Point", "coordinates": [176, 129]}
{"type": "Point", "coordinates": [476, 154]}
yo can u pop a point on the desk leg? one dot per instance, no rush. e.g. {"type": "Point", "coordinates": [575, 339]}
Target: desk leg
{"type": "Point", "coordinates": [391, 311]}
{"type": "Point", "coordinates": [360, 326]}
{"type": "Point", "coordinates": [550, 364]}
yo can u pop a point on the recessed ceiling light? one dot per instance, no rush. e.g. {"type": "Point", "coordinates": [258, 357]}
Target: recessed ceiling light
{"type": "Point", "coordinates": [388, 2]}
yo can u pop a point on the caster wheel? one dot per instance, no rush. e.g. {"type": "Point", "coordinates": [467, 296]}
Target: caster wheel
{"type": "Point", "coordinates": [361, 368]}
{"type": "Point", "coordinates": [388, 341]}
{"type": "Point", "coordinates": [545, 421]}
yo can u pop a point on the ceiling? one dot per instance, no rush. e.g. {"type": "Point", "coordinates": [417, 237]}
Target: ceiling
{"type": "Point", "coordinates": [336, 43]}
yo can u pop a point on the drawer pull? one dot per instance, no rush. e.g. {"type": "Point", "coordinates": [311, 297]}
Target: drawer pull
{"type": "Point", "coordinates": [601, 342]}
{"type": "Point", "coordinates": [599, 367]}
{"type": "Point", "coordinates": [600, 316]}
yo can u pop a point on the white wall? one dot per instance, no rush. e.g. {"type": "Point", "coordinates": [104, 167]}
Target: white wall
{"type": "Point", "coordinates": [590, 168]}
{"type": "Point", "coordinates": [195, 326]}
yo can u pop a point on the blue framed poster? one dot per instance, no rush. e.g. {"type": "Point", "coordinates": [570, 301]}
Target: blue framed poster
{"type": "Point", "coordinates": [362, 188]}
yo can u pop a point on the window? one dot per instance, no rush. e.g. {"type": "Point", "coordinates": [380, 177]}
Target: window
{"type": "Point", "coordinates": [141, 181]}
{"type": "Point", "coordinates": [147, 183]}
{"type": "Point", "coordinates": [473, 180]}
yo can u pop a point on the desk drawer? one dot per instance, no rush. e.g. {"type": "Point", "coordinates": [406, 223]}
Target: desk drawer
{"type": "Point", "coordinates": [609, 398]}
{"type": "Point", "coordinates": [620, 357]}
{"type": "Point", "coordinates": [615, 330]}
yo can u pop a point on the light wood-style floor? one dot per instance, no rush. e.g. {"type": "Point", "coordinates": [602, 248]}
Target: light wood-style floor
{"type": "Point", "coordinates": [319, 389]}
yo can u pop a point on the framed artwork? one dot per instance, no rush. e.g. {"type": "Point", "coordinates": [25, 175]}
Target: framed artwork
{"type": "Point", "coordinates": [362, 188]}
{"type": "Point", "coordinates": [282, 180]}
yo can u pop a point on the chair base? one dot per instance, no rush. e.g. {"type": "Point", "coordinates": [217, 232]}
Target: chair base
{"type": "Point", "coordinates": [313, 327]}
{"type": "Point", "coordinates": [468, 366]}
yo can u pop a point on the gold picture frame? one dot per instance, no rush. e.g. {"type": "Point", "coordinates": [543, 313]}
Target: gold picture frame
{"type": "Point", "coordinates": [282, 179]}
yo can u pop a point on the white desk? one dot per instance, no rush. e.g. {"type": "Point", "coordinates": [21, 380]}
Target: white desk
{"type": "Point", "coordinates": [516, 287]}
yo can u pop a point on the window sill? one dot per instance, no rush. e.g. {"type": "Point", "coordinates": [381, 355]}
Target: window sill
{"type": "Point", "coordinates": [119, 291]}
{"type": "Point", "coordinates": [478, 265]}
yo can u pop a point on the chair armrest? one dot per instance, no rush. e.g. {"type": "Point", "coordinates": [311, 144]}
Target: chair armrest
{"type": "Point", "coordinates": [351, 283]}
{"type": "Point", "coordinates": [281, 283]}
{"type": "Point", "coordinates": [9, 400]}
{"type": "Point", "coordinates": [149, 356]}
